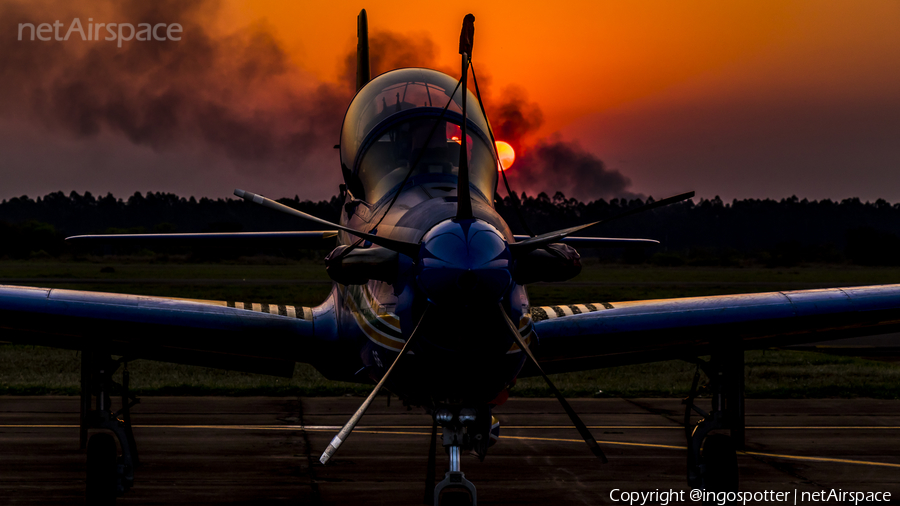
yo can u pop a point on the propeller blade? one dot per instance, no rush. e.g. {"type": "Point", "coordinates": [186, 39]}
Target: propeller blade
{"type": "Point", "coordinates": [348, 427]}
{"type": "Point", "coordinates": [203, 238]}
{"type": "Point", "coordinates": [598, 242]}
{"type": "Point", "coordinates": [463, 194]}
{"type": "Point", "coordinates": [582, 428]}
{"type": "Point", "coordinates": [363, 74]}
{"type": "Point", "coordinates": [407, 248]}
{"type": "Point", "coordinates": [519, 248]}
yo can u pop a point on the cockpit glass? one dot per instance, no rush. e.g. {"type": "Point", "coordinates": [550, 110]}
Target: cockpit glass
{"type": "Point", "coordinates": [431, 147]}
{"type": "Point", "coordinates": [392, 116]}
{"type": "Point", "coordinates": [402, 97]}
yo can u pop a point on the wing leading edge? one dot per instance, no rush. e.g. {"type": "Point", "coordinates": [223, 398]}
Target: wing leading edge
{"type": "Point", "coordinates": [589, 336]}
{"type": "Point", "coordinates": [249, 337]}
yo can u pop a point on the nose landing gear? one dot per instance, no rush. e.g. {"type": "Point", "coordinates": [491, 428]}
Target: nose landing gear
{"type": "Point", "coordinates": [455, 489]}
{"type": "Point", "coordinates": [464, 429]}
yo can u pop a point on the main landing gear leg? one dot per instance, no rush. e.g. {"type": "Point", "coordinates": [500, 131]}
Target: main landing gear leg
{"type": "Point", "coordinates": [466, 429]}
{"type": "Point", "coordinates": [712, 455]}
{"type": "Point", "coordinates": [108, 475]}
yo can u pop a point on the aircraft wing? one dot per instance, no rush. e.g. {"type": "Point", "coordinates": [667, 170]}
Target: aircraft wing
{"type": "Point", "coordinates": [589, 336]}
{"type": "Point", "coordinates": [243, 336]}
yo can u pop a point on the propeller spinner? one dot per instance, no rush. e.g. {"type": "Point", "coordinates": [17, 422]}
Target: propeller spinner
{"type": "Point", "coordinates": [464, 262]}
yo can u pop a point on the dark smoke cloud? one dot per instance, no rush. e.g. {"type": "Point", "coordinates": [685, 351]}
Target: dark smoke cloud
{"type": "Point", "coordinates": [550, 164]}
{"type": "Point", "coordinates": [389, 51]}
{"type": "Point", "coordinates": [515, 117]}
{"type": "Point", "coordinates": [554, 165]}
{"type": "Point", "coordinates": [546, 165]}
{"type": "Point", "coordinates": [235, 93]}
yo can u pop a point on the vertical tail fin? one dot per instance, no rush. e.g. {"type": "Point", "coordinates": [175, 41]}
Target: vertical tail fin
{"type": "Point", "coordinates": [363, 74]}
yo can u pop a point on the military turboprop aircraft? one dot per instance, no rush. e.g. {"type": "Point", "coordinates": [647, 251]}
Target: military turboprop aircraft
{"type": "Point", "coordinates": [429, 299]}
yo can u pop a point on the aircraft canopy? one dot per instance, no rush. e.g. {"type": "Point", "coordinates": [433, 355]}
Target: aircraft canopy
{"type": "Point", "coordinates": [395, 120]}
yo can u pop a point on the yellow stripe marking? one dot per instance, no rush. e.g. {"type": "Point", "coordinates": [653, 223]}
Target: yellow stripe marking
{"type": "Point", "coordinates": [619, 443]}
{"type": "Point", "coordinates": [25, 426]}
{"type": "Point", "coordinates": [524, 321]}
{"type": "Point", "coordinates": [372, 333]}
{"type": "Point", "coordinates": [515, 346]}
{"type": "Point", "coordinates": [671, 447]}
{"type": "Point", "coordinates": [361, 430]}
{"type": "Point", "coordinates": [388, 319]}
{"type": "Point", "coordinates": [678, 427]}
{"type": "Point", "coordinates": [507, 427]}
{"type": "Point", "coordinates": [822, 459]}
{"type": "Point", "coordinates": [826, 427]}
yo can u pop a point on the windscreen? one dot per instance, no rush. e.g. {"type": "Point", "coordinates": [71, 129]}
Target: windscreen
{"type": "Point", "coordinates": [393, 115]}
{"type": "Point", "coordinates": [428, 146]}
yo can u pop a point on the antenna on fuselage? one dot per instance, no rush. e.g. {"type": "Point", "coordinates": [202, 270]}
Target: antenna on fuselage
{"type": "Point", "coordinates": [463, 195]}
{"type": "Point", "coordinates": [363, 74]}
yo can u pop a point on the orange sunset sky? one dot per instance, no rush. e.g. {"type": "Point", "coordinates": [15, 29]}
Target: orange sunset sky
{"type": "Point", "coordinates": [739, 99]}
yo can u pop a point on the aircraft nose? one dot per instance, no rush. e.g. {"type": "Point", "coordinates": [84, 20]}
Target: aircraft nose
{"type": "Point", "coordinates": [464, 262]}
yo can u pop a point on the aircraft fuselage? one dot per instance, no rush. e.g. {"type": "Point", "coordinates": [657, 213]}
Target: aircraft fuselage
{"type": "Point", "coordinates": [400, 154]}
{"type": "Point", "coordinates": [464, 354]}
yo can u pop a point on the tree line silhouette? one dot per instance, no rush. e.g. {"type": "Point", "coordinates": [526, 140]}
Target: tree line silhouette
{"type": "Point", "coordinates": [706, 232]}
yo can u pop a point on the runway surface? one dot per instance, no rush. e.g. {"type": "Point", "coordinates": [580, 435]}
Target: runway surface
{"type": "Point", "coordinates": [216, 450]}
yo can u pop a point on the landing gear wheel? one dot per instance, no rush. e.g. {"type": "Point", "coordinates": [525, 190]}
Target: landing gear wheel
{"type": "Point", "coordinates": [719, 459]}
{"type": "Point", "coordinates": [456, 498]}
{"type": "Point", "coordinates": [102, 476]}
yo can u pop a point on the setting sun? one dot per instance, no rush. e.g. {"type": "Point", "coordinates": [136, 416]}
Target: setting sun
{"type": "Point", "coordinates": [506, 154]}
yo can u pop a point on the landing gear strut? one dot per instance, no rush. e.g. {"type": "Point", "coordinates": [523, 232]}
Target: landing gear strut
{"type": "Point", "coordinates": [465, 429]}
{"type": "Point", "coordinates": [108, 475]}
{"type": "Point", "coordinates": [712, 457]}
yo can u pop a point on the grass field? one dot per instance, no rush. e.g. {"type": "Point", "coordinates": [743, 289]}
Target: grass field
{"type": "Point", "coordinates": [769, 373]}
